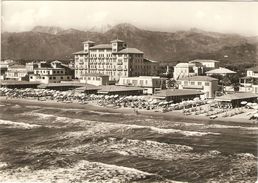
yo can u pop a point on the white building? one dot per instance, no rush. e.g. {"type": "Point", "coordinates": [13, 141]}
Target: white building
{"type": "Point", "coordinates": [205, 84]}
{"type": "Point", "coordinates": [16, 72]}
{"type": "Point", "coordinates": [52, 73]}
{"type": "Point", "coordinates": [183, 70]}
{"type": "Point", "coordinates": [95, 79]}
{"type": "Point", "coordinates": [149, 83]}
{"type": "Point", "coordinates": [207, 64]}
{"type": "Point", "coordinates": [250, 82]}
{"type": "Point", "coordinates": [115, 60]}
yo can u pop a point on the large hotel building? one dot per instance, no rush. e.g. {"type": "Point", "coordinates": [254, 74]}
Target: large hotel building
{"type": "Point", "coordinates": [115, 60]}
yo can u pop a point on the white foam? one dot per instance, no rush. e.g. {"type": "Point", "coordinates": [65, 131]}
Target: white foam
{"type": "Point", "coordinates": [84, 170]}
{"type": "Point", "coordinates": [170, 130]}
{"type": "Point", "coordinates": [14, 124]}
{"type": "Point", "coordinates": [228, 126]}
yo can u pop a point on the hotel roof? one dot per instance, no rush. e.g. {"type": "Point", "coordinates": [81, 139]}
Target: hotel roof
{"type": "Point", "coordinates": [117, 40]}
{"type": "Point", "coordinates": [88, 41]}
{"type": "Point", "coordinates": [130, 50]}
{"type": "Point", "coordinates": [148, 60]}
{"type": "Point", "coordinates": [101, 46]}
{"type": "Point", "coordinates": [221, 70]}
{"type": "Point", "coordinates": [80, 53]}
{"type": "Point", "coordinates": [178, 92]}
{"type": "Point", "coordinates": [236, 96]}
{"type": "Point", "coordinates": [198, 78]}
{"type": "Point", "coordinates": [202, 60]}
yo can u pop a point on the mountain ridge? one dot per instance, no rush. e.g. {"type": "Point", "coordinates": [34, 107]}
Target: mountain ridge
{"type": "Point", "coordinates": [161, 46]}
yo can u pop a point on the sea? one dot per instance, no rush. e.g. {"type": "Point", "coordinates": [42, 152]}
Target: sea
{"type": "Point", "coordinates": [44, 143]}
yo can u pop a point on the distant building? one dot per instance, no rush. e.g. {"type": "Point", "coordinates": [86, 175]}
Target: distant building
{"type": "Point", "coordinates": [115, 60]}
{"type": "Point", "coordinates": [206, 84]}
{"type": "Point", "coordinates": [3, 69]}
{"type": "Point", "coordinates": [250, 82]}
{"type": "Point", "coordinates": [149, 83]}
{"type": "Point", "coordinates": [53, 73]}
{"type": "Point", "coordinates": [207, 64]}
{"type": "Point", "coordinates": [182, 70]}
{"type": "Point", "coordinates": [17, 72]}
{"type": "Point", "coordinates": [95, 79]}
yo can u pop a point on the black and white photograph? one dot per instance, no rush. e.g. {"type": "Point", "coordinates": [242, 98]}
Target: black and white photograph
{"type": "Point", "coordinates": [129, 91]}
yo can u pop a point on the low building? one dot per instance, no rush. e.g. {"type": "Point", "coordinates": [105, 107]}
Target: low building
{"type": "Point", "coordinates": [18, 84]}
{"type": "Point", "coordinates": [207, 64]}
{"type": "Point", "coordinates": [61, 86]}
{"type": "Point", "coordinates": [149, 83]}
{"type": "Point", "coordinates": [120, 90]}
{"type": "Point", "coordinates": [183, 70]}
{"type": "Point", "coordinates": [87, 89]}
{"type": "Point", "coordinates": [178, 95]}
{"type": "Point", "coordinates": [235, 99]}
{"type": "Point", "coordinates": [17, 72]}
{"type": "Point", "coordinates": [250, 82]}
{"type": "Point", "coordinates": [52, 73]}
{"type": "Point", "coordinates": [96, 79]}
{"type": "Point", "coordinates": [206, 84]}
{"type": "Point", "coordinates": [220, 71]}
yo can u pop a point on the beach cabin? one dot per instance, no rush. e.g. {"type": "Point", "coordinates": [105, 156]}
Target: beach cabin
{"type": "Point", "coordinates": [178, 95]}
{"type": "Point", "coordinates": [235, 99]}
{"type": "Point", "coordinates": [120, 90]}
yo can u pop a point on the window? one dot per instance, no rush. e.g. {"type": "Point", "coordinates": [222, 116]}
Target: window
{"type": "Point", "coordinates": [57, 71]}
{"type": "Point", "coordinates": [68, 77]}
{"type": "Point", "coordinates": [54, 72]}
{"type": "Point", "coordinates": [192, 82]}
{"type": "Point", "coordinates": [50, 78]}
{"type": "Point", "coordinates": [43, 77]}
{"type": "Point", "coordinates": [207, 84]}
{"type": "Point", "coordinates": [199, 83]}
{"type": "Point", "coordinates": [62, 77]}
{"type": "Point", "coordinates": [54, 77]}
{"type": "Point", "coordinates": [185, 82]}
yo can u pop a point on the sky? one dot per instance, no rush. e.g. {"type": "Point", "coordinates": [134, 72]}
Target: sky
{"type": "Point", "coordinates": [225, 17]}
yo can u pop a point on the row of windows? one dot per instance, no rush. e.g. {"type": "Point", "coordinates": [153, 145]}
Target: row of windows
{"type": "Point", "coordinates": [199, 83]}
{"type": "Point", "coordinates": [50, 78]}
{"type": "Point", "coordinates": [48, 72]}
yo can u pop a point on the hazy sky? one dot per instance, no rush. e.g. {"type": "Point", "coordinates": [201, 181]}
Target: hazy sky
{"type": "Point", "coordinates": [226, 17]}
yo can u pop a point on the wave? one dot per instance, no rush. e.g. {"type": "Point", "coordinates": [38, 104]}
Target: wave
{"type": "Point", "coordinates": [228, 126]}
{"type": "Point", "coordinates": [14, 124]}
{"type": "Point", "coordinates": [84, 171]}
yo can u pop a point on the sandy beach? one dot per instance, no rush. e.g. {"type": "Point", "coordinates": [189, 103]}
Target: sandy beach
{"type": "Point", "coordinates": [241, 119]}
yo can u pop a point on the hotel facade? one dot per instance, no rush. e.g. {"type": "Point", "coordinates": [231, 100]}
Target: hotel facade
{"type": "Point", "coordinates": [115, 60]}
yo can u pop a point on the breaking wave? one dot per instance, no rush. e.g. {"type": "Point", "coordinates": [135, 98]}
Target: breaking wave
{"type": "Point", "coordinates": [12, 124]}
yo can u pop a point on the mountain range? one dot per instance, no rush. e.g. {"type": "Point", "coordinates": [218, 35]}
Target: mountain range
{"type": "Point", "coordinates": [49, 43]}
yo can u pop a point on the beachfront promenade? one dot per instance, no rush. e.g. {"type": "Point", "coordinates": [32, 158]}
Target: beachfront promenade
{"type": "Point", "coordinates": [196, 108]}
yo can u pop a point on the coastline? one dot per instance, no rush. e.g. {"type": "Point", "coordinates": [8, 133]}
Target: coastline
{"type": "Point", "coordinates": [170, 116]}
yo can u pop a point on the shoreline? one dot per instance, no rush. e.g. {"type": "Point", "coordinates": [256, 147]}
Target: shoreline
{"type": "Point", "coordinates": [170, 116]}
